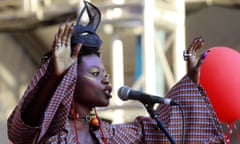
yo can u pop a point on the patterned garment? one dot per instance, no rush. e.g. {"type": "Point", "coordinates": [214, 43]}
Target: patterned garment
{"type": "Point", "coordinates": [200, 122]}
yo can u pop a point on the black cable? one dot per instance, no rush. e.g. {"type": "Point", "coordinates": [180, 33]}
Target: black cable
{"type": "Point", "coordinates": [183, 124]}
{"type": "Point", "coordinates": [160, 123]}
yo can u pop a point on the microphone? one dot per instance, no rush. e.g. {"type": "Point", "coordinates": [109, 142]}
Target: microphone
{"type": "Point", "coordinates": [126, 93]}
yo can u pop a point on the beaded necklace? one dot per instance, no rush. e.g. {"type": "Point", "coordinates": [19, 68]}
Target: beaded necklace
{"type": "Point", "coordinates": [93, 120]}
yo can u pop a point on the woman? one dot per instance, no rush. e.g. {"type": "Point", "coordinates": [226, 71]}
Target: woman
{"type": "Point", "coordinates": [57, 106]}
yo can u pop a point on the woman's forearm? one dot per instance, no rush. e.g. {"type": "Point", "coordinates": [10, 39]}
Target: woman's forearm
{"type": "Point", "coordinates": [42, 95]}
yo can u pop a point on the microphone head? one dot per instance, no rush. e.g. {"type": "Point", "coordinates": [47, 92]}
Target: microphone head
{"type": "Point", "coordinates": [123, 92]}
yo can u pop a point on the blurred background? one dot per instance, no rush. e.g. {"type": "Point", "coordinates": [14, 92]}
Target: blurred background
{"type": "Point", "coordinates": [143, 41]}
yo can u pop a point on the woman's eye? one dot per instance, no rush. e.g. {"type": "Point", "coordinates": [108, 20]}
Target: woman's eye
{"type": "Point", "coordinates": [95, 73]}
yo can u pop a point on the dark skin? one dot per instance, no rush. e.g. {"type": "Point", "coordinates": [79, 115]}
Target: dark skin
{"type": "Point", "coordinates": [92, 87]}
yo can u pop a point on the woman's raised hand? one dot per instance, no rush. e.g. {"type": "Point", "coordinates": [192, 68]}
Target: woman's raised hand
{"type": "Point", "coordinates": [62, 57]}
{"type": "Point", "coordinates": [193, 61]}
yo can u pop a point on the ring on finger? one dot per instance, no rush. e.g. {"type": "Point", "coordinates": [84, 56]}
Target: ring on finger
{"type": "Point", "coordinates": [59, 44]}
{"type": "Point", "coordinates": [187, 54]}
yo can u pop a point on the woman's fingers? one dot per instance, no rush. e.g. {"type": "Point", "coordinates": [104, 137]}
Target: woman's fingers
{"type": "Point", "coordinates": [199, 43]}
{"type": "Point", "coordinates": [62, 43]}
{"type": "Point", "coordinates": [57, 41]}
{"type": "Point", "coordinates": [60, 31]}
{"type": "Point", "coordinates": [192, 45]}
{"type": "Point", "coordinates": [69, 35]}
{"type": "Point", "coordinates": [64, 34]}
{"type": "Point", "coordinates": [62, 38]}
{"type": "Point", "coordinates": [196, 44]}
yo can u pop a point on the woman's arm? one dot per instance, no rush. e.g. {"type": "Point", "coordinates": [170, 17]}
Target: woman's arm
{"type": "Point", "coordinates": [194, 120]}
{"type": "Point", "coordinates": [24, 122]}
{"type": "Point", "coordinates": [43, 92]}
{"type": "Point", "coordinates": [59, 64]}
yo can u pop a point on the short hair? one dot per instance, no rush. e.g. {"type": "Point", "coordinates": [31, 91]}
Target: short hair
{"type": "Point", "coordinates": [83, 52]}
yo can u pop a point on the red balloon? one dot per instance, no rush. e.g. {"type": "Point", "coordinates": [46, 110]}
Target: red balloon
{"type": "Point", "coordinates": [220, 77]}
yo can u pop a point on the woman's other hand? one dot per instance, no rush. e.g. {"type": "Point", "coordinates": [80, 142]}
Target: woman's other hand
{"type": "Point", "coordinates": [193, 61]}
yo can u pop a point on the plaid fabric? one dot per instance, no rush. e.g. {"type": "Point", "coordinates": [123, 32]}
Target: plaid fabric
{"type": "Point", "coordinates": [55, 116]}
{"type": "Point", "coordinates": [201, 124]}
{"type": "Point", "coordinates": [200, 121]}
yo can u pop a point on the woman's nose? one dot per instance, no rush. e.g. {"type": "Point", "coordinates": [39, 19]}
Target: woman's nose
{"type": "Point", "coordinates": [106, 79]}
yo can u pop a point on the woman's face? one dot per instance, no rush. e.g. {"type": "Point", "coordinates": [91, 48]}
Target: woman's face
{"type": "Point", "coordinates": [93, 86]}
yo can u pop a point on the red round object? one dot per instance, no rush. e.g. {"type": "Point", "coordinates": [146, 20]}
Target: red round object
{"type": "Point", "coordinates": [220, 77]}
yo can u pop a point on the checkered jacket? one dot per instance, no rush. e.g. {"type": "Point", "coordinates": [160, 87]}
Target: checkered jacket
{"type": "Point", "coordinates": [194, 121]}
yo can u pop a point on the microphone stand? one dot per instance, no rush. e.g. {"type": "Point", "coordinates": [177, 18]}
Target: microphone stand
{"type": "Point", "coordinates": [160, 124]}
